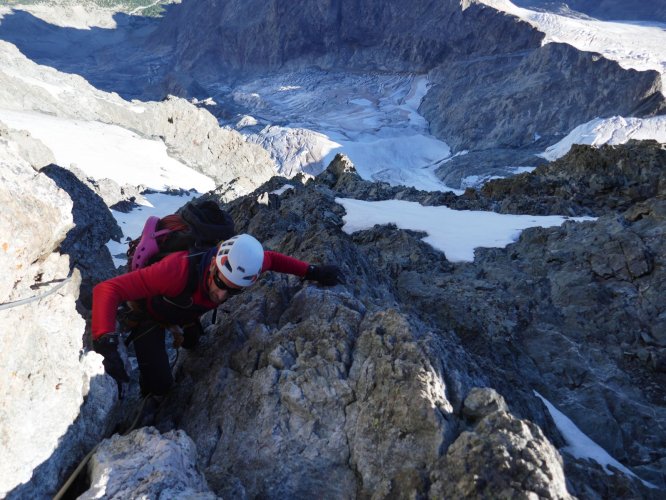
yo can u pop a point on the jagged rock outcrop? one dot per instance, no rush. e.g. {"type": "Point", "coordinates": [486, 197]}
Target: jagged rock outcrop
{"type": "Point", "coordinates": [587, 180]}
{"type": "Point", "coordinates": [496, 458]}
{"type": "Point", "coordinates": [55, 399]}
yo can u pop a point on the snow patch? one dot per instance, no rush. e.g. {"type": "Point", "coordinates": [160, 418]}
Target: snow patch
{"type": "Point", "coordinates": [455, 232]}
{"type": "Point", "coordinates": [283, 189]}
{"type": "Point", "coordinates": [581, 446]}
{"type": "Point", "coordinates": [108, 151]}
{"type": "Point", "coordinates": [614, 130]}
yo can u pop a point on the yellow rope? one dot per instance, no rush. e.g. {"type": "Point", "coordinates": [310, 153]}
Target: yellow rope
{"type": "Point", "coordinates": [82, 464]}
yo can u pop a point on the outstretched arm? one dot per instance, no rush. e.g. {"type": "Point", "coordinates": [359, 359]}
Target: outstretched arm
{"type": "Point", "coordinates": [328, 275]}
{"type": "Point", "coordinates": [274, 261]}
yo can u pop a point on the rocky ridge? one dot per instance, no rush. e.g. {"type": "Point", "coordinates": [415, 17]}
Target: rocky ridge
{"type": "Point", "coordinates": [372, 388]}
{"type": "Point", "coordinates": [399, 382]}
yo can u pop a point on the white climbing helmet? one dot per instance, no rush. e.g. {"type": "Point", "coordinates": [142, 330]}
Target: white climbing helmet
{"type": "Point", "coordinates": [240, 259]}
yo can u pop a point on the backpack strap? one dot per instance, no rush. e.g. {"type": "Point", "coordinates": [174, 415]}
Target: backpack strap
{"type": "Point", "coordinates": [180, 309]}
{"type": "Point", "coordinates": [195, 271]}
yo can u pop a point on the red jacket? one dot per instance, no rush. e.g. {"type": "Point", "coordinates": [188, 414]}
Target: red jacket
{"type": "Point", "coordinates": [168, 277]}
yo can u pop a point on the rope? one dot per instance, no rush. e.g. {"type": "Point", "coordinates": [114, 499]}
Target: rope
{"type": "Point", "coordinates": [74, 475]}
{"type": "Point", "coordinates": [65, 487]}
{"type": "Point", "coordinates": [16, 303]}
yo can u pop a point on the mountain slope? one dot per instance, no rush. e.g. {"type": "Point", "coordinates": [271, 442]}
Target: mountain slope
{"type": "Point", "coordinates": [495, 88]}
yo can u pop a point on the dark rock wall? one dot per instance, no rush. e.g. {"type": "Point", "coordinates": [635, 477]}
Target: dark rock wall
{"type": "Point", "coordinates": [337, 34]}
{"type": "Point", "coordinates": [367, 388]}
{"type": "Point", "coordinates": [509, 101]}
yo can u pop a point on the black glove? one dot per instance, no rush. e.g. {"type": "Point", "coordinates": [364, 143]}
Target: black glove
{"type": "Point", "coordinates": [326, 275]}
{"type": "Point", "coordinates": [107, 346]}
{"type": "Point", "coordinates": [191, 334]}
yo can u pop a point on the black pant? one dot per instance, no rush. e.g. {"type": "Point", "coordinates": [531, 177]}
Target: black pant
{"type": "Point", "coordinates": [151, 354]}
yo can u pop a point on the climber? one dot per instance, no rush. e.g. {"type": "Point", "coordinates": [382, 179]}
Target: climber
{"type": "Point", "coordinates": [177, 290]}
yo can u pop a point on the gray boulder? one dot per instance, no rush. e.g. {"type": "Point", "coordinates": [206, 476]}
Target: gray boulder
{"type": "Point", "coordinates": [500, 457]}
{"type": "Point", "coordinates": [146, 464]}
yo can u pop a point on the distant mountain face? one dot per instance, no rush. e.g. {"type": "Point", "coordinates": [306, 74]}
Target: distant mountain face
{"type": "Point", "coordinates": [495, 88]}
{"type": "Point", "coordinates": [389, 35]}
{"type": "Point", "coordinates": [143, 7]}
{"type": "Point", "coordinates": [635, 10]}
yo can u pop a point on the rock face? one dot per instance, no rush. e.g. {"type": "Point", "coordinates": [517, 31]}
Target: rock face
{"type": "Point", "coordinates": [497, 102]}
{"type": "Point", "coordinates": [389, 385]}
{"type": "Point", "coordinates": [389, 35]}
{"type": "Point", "coordinates": [55, 398]}
{"type": "Point", "coordinates": [577, 317]}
